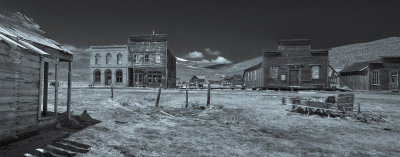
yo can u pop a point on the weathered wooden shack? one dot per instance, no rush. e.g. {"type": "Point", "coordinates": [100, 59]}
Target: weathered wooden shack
{"type": "Point", "coordinates": [295, 65]}
{"type": "Point", "coordinates": [380, 74]}
{"type": "Point", "coordinates": [253, 76]}
{"type": "Point", "coordinates": [25, 55]}
{"type": "Point", "coordinates": [198, 79]}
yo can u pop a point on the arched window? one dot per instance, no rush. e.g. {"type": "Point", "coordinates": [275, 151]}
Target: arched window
{"type": "Point", "coordinates": [118, 75]}
{"type": "Point", "coordinates": [97, 59]}
{"type": "Point", "coordinates": [108, 58]}
{"type": "Point", "coordinates": [119, 58]}
{"type": "Point", "coordinates": [97, 76]}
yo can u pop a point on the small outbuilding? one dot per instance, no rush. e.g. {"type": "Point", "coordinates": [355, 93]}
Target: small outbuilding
{"type": "Point", "coordinates": [380, 74]}
{"type": "Point", "coordinates": [26, 54]}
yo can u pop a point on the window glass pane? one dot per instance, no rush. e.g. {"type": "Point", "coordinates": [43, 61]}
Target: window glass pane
{"type": "Point", "coordinates": [315, 72]}
{"type": "Point", "coordinates": [158, 58]}
{"type": "Point", "coordinates": [273, 72]}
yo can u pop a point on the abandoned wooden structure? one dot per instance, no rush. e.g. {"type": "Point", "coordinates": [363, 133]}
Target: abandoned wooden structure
{"type": "Point", "coordinates": [380, 74]}
{"type": "Point", "coordinates": [235, 80]}
{"type": "Point", "coordinates": [144, 62]}
{"type": "Point", "coordinates": [293, 65]}
{"type": "Point", "coordinates": [253, 76]}
{"type": "Point", "coordinates": [26, 55]}
{"type": "Point", "coordinates": [197, 80]}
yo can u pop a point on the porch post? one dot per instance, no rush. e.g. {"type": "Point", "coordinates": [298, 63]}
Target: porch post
{"type": "Point", "coordinates": [45, 87]}
{"type": "Point", "coordinates": [55, 87]}
{"type": "Point", "coordinates": [69, 91]}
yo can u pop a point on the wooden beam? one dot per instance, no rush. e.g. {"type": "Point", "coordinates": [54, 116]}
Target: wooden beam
{"type": "Point", "coordinates": [55, 87]}
{"type": "Point", "coordinates": [341, 77]}
{"type": "Point", "coordinates": [45, 87]}
{"type": "Point", "coordinates": [40, 88]}
{"type": "Point", "coordinates": [69, 92]}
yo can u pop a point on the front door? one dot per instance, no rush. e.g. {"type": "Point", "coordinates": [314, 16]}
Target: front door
{"type": "Point", "coordinates": [394, 80]}
{"type": "Point", "coordinates": [107, 78]}
{"type": "Point", "coordinates": [294, 77]}
{"type": "Point", "coordinates": [138, 79]}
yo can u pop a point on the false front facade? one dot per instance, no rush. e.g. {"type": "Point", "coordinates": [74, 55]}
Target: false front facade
{"type": "Point", "coordinates": [144, 62]}
{"type": "Point", "coordinates": [295, 65]}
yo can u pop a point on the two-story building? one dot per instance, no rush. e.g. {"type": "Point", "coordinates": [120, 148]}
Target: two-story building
{"type": "Point", "coordinates": [144, 62]}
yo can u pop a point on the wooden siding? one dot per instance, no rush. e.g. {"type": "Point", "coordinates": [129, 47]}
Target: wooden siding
{"type": "Point", "coordinates": [299, 58]}
{"type": "Point", "coordinates": [357, 82]}
{"type": "Point", "coordinates": [19, 92]}
{"type": "Point", "coordinates": [254, 78]}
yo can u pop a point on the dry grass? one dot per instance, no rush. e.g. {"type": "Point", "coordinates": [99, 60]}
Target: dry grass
{"type": "Point", "coordinates": [238, 123]}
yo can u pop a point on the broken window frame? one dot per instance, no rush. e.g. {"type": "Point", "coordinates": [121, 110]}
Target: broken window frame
{"type": "Point", "coordinates": [97, 59]}
{"type": "Point", "coordinates": [375, 78]}
{"type": "Point", "coordinates": [97, 78]}
{"type": "Point", "coordinates": [119, 76]}
{"type": "Point", "coordinates": [108, 58]}
{"type": "Point", "coordinates": [146, 58]}
{"type": "Point", "coordinates": [158, 58]}
{"type": "Point", "coordinates": [315, 71]}
{"type": "Point", "coordinates": [119, 59]}
{"type": "Point", "coordinates": [273, 72]}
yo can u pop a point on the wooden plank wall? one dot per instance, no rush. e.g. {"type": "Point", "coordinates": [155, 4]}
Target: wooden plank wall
{"type": "Point", "coordinates": [19, 91]}
{"type": "Point", "coordinates": [358, 82]}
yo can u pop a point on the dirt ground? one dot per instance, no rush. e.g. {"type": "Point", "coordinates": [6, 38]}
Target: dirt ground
{"type": "Point", "coordinates": [238, 123]}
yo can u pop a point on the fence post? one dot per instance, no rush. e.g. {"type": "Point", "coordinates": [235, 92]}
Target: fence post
{"type": "Point", "coordinates": [208, 95]}
{"type": "Point", "coordinates": [283, 101]}
{"type": "Point", "coordinates": [158, 95]}
{"type": "Point", "coordinates": [359, 108]}
{"type": "Point", "coordinates": [112, 91]}
{"type": "Point", "coordinates": [187, 97]}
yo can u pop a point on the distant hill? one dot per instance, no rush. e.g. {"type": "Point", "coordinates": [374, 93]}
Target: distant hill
{"type": "Point", "coordinates": [342, 56]}
{"type": "Point", "coordinates": [212, 71]}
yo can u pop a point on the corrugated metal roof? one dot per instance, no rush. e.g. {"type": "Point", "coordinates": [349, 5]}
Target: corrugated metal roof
{"type": "Point", "coordinates": [257, 66]}
{"type": "Point", "coordinates": [19, 27]}
{"type": "Point", "coordinates": [359, 66]}
{"type": "Point", "coordinates": [8, 40]}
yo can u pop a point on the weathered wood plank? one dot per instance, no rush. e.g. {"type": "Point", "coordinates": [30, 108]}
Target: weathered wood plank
{"type": "Point", "coordinates": [9, 84]}
{"type": "Point", "coordinates": [20, 99]}
{"type": "Point", "coordinates": [19, 92]}
{"type": "Point", "coordinates": [5, 115]}
{"type": "Point", "coordinates": [8, 107]}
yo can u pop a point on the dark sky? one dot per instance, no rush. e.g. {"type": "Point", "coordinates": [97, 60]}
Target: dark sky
{"type": "Point", "coordinates": [240, 29]}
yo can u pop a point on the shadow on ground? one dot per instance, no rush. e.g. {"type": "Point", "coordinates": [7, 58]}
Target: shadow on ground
{"type": "Point", "coordinates": [52, 142]}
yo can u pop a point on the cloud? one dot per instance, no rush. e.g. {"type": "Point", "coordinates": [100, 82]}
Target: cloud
{"type": "Point", "coordinates": [212, 52]}
{"type": "Point", "coordinates": [204, 61]}
{"type": "Point", "coordinates": [195, 54]}
{"type": "Point", "coordinates": [220, 59]}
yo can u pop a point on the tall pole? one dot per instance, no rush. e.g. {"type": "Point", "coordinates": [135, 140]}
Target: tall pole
{"type": "Point", "coordinates": [187, 97]}
{"type": "Point", "coordinates": [208, 94]}
{"type": "Point", "coordinates": [158, 95]}
{"type": "Point", "coordinates": [55, 88]}
{"type": "Point", "coordinates": [69, 92]}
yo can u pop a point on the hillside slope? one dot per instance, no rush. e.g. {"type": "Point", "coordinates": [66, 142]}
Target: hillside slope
{"type": "Point", "coordinates": [186, 69]}
{"type": "Point", "coordinates": [339, 57]}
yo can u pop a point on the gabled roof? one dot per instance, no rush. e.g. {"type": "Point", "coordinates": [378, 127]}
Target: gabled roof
{"type": "Point", "coordinates": [19, 30]}
{"type": "Point", "coordinates": [200, 76]}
